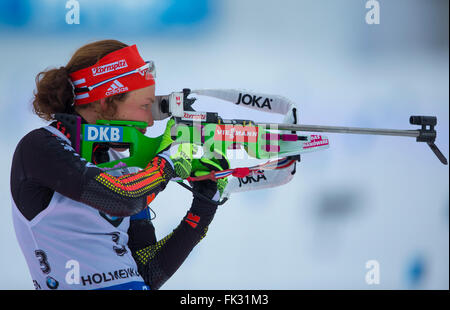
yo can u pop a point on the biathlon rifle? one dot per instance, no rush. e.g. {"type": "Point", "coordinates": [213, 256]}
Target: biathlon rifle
{"type": "Point", "coordinates": [280, 143]}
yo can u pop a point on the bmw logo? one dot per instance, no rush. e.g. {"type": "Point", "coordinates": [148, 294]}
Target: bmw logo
{"type": "Point", "coordinates": [52, 283]}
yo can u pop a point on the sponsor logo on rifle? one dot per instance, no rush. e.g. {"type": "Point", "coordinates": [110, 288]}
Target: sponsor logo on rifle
{"type": "Point", "coordinates": [98, 133]}
{"type": "Point", "coordinates": [194, 116]}
{"type": "Point", "coordinates": [250, 179]}
{"type": "Point", "coordinates": [254, 101]}
{"type": "Point", "coordinates": [236, 133]}
{"type": "Point", "coordinates": [315, 142]}
{"type": "Point", "coordinates": [117, 65]}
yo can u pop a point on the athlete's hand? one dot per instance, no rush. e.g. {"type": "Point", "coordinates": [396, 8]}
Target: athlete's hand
{"type": "Point", "coordinates": [180, 156]}
{"type": "Point", "coordinates": [204, 166]}
{"type": "Point", "coordinates": [166, 141]}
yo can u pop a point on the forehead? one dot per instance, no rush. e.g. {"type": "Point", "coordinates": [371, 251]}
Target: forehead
{"type": "Point", "coordinates": [143, 93]}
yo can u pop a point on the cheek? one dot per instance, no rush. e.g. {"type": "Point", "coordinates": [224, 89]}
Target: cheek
{"type": "Point", "coordinates": [123, 113]}
{"type": "Point", "coordinates": [136, 114]}
{"type": "Point", "coordinates": [132, 111]}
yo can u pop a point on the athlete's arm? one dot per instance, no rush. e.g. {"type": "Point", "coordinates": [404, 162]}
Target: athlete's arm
{"type": "Point", "coordinates": [44, 163]}
{"type": "Point", "coordinates": [157, 261]}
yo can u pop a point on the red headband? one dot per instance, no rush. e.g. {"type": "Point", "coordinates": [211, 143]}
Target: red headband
{"type": "Point", "coordinates": [118, 72]}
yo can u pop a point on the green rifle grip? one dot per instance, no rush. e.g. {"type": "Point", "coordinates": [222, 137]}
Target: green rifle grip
{"type": "Point", "coordinates": [142, 148]}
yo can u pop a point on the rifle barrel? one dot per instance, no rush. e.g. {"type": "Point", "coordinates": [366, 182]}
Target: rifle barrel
{"type": "Point", "coordinates": [338, 129]}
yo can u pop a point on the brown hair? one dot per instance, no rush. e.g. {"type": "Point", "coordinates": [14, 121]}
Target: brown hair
{"type": "Point", "coordinates": [54, 93]}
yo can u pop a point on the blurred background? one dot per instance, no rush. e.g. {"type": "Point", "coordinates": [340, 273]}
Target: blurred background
{"type": "Point", "coordinates": [366, 198]}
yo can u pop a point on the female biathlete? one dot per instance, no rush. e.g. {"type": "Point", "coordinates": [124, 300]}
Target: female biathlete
{"type": "Point", "coordinates": [80, 227]}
